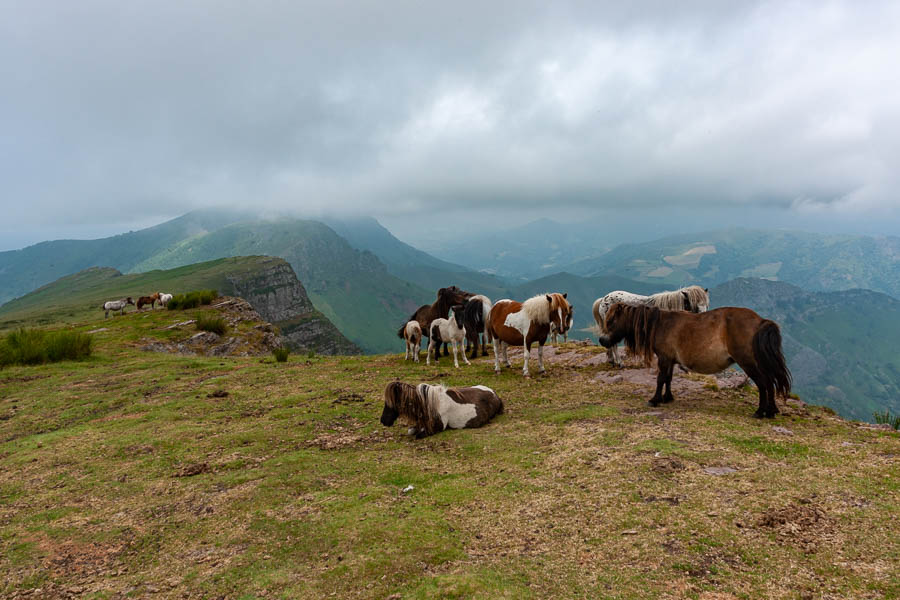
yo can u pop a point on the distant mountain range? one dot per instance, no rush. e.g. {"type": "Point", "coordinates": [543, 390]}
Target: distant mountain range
{"type": "Point", "coordinates": [840, 346]}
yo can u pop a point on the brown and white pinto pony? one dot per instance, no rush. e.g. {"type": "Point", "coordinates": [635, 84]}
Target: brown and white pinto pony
{"type": "Point", "coordinates": [439, 309]}
{"type": "Point", "coordinates": [145, 300]}
{"type": "Point", "coordinates": [706, 342]}
{"type": "Point", "coordinates": [524, 323]}
{"type": "Point", "coordinates": [430, 409]}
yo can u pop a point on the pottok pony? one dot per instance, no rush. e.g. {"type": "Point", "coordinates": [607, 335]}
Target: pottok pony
{"type": "Point", "coordinates": [425, 314]}
{"type": "Point", "coordinates": [117, 305]}
{"type": "Point", "coordinates": [476, 312]}
{"type": "Point", "coordinates": [447, 330]}
{"type": "Point", "coordinates": [555, 332]}
{"type": "Point", "coordinates": [164, 298]}
{"type": "Point", "coordinates": [524, 323]}
{"type": "Point", "coordinates": [145, 300]}
{"type": "Point", "coordinates": [693, 299]}
{"type": "Point", "coordinates": [705, 343]}
{"type": "Point", "coordinates": [413, 335]}
{"type": "Point", "coordinates": [430, 409]}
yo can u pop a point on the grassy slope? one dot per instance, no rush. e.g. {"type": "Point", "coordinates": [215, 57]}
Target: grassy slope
{"type": "Point", "coordinates": [577, 491]}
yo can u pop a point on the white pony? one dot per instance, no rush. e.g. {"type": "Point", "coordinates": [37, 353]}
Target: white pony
{"type": "Point", "coordinates": [117, 305]}
{"type": "Point", "coordinates": [164, 299]}
{"type": "Point", "coordinates": [693, 299]}
{"type": "Point", "coordinates": [412, 333]}
{"type": "Point", "coordinates": [447, 330]}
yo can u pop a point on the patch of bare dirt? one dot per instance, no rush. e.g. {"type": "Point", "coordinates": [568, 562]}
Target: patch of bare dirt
{"type": "Point", "coordinates": [804, 524]}
{"type": "Point", "coordinates": [192, 470]}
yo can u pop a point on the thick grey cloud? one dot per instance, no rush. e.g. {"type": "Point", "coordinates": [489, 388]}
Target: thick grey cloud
{"type": "Point", "coordinates": [118, 112]}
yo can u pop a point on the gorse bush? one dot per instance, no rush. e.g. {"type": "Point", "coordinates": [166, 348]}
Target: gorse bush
{"type": "Point", "coordinates": [213, 323]}
{"type": "Point", "coordinates": [192, 299]}
{"type": "Point", "coordinates": [36, 347]}
{"type": "Point", "coordinates": [887, 418]}
{"type": "Point", "coordinates": [281, 353]}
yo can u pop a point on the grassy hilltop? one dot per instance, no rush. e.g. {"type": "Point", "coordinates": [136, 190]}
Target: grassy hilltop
{"type": "Point", "coordinates": [154, 475]}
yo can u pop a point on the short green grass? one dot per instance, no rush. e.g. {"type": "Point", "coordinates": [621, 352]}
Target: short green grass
{"type": "Point", "coordinates": [211, 322]}
{"type": "Point", "coordinates": [131, 473]}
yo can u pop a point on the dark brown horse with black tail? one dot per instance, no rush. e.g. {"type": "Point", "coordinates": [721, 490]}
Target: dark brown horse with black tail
{"type": "Point", "coordinates": [706, 342]}
{"type": "Point", "coordinates": [439, 309]}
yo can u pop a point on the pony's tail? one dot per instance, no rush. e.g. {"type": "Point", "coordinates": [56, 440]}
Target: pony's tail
{"type": "Point", "coordinates": [402, 331]}
{"type": "Point", "coordinates": [598, 318]}
{"type": "Point", "coordinates": [770, 358]}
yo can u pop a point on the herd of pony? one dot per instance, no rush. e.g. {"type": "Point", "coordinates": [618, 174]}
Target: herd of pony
{"type": "Point", "coordinates": [675, 327]}
{"type": "Point", "coordinates": [118, 306]}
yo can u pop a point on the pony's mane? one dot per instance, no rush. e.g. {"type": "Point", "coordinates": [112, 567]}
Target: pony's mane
{"type": "Point", "coordinates": [537, 309]}
{"type": "Point", "coordinates": [417, 404]}
{"type": "Point", "coordinates": [675, 300]}
{"type": "Point", "coordinates": [641, 322]}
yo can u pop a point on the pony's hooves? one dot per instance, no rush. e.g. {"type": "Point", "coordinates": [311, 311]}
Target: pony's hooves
{"type": "Point", "coordinates": [653, 402]}
{"type": "Point", "coordinates": [758, 415]}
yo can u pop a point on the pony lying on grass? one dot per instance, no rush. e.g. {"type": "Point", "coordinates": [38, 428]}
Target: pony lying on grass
{"type": "Point", "coordinates": [430, 409]}
{"type": "Point", "coordinates": [447, 330]}
{"type": "Point", "coordinates": [413, 336]}
{"type": "Point", "coordinates": [117, 305]}
{"type": "Point", "coordinates": [707, 343]}
{"type": "Point", "coordinates": [693, 299]}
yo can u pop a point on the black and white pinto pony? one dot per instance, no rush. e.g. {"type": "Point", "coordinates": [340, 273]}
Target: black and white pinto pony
{"type": "Point", "coordinates": [476, 312]}
{"type": "Point", "coordinates": [450, 330]}
{"type": "Point", "coordinates": [430, 409]}
{"type": "Point", "coordinates": [116, 305]}
{"type": "Point", "coordinates": [413, 336]}
{"type": "Point", "coordinates": [694, 299]}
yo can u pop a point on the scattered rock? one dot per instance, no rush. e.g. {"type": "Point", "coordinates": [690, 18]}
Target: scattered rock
{"type": "Point", "coordinates": [666, 465]}
{"type": "Point", "coordinates": [719, 470]}
{"type": "Point", "coordinates": [782, 430]}
{"type": "Point", "coordinates": [218, 394]}
{"type": "Point", "coordinates": [98, 330]}
{"type": "Point", "coordinates": [630, 532]}
{"type": "Point", "coordinates": [407, 489]}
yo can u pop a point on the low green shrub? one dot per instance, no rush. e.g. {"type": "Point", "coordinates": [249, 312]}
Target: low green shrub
{"type": "Point", "coordinates": [281, 353]}
{"type": "Point", "coordinates": [36, 347]}
{"type": "Point", "coordinates": [213, 323]}
{"type": "Point", "coordinates": [192, 299]}
{"type": "Point", "coordinates": [887, 418]}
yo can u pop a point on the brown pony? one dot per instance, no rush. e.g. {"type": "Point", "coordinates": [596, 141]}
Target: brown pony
{"type": "Point", "coordinates": [524, 323]}
{"type": "Point", "coordinates": [439, 309]}
{"type": "Point", "coordinates": [706, 342]}
{"type": "Point", "coordinates": [151, 300]}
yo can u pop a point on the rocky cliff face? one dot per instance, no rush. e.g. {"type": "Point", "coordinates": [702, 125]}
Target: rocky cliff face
{"type": "Point", "coordinates": [275, 292]}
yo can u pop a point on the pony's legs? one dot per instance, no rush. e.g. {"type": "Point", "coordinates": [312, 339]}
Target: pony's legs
{"type": "Point", "coordinates": [463, 352]}
{"type": "Point", "coordinates": [661, 379]}
{"type": "Point", "coordinates": [527, 352]}
{"type": "Point", "coordinates": [416, 348]}
{"type": "Point", "coordinates": [506, 355]}
{"type": "Point", "coordinates": [496, 358]}
{"type": "Point", "coordinates": [407, 350]}
{"type": "Point", "coordinates": [762, 385]}
{"type": "Point", "coordinates": [541, 368]}
{"type": "Point", "coordinates": [667, 397]}
{"type": "Point", "coordinates": [772, 410]}
{"type": "Point", "coordinates": [455, 359]}
{"type": "Point", "coordinates": [446, 352]}
{"type": "Point", "coordinates": [428, 352]}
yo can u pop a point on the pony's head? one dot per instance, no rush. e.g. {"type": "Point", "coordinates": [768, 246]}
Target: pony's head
{"type": "Point", "coordinates": [560, 311]}
{"type": "Point", "coordinates": [634, 324]}
{"type": "Point", "coordinates": [413, 404]}
{"type": "Point", "coordinates": [696, 299]}
{"type": "Point", "coordinates": [397, 397]}
{"type": "Point", "coordinates": [458, 312]}
{"type": "Point", "coordinates": [452, 295]}
{"type": "Point", "coordinates": [128, 300]}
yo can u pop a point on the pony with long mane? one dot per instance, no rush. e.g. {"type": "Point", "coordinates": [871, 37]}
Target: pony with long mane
{"type": "Point", "coordinates": [707, 343]}
{"type": "Point", "coordinates": [439, 309]}
{"type": "Point", "coordinates": [475, 315]}
{"type": "Point", "coordinates": [430, 409]}
{"type": "Point", "coordinates": [116, 305]}
{"type": "Point", "coordinates": [413, 336]}
{"type": "Point", "coordinates": [152, 299]}
{"type": "Point", "coordinates": [555, 333]}
{"type": "Point", "coordinates": [447, 330]}
{"type": "Point", "coordinates": [693, 299]}
{"type": "Point", "coordinates": [524, 323]}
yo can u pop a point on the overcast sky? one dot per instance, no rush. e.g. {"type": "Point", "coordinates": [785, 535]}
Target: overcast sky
{"type": "Point", "coordinates": [116, 115]}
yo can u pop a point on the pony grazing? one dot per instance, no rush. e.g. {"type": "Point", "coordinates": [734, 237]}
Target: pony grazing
{"type": "Point", "coordinates": [693, 299]}
{"type": "Point", "coordinates": [425, 314]}
{"type": "Point", "coordinates": [476, 313]}
{"type": "Point", "coordinates": [116, 305]}
{"type": "Point", "coordinates": [164, 298]}
{"type": "Point", "coordinates": [145, 300]}
{"type": "Point", "coordinates": [707, 343]}
{"type": "Point", "coordinates": [524, 323]}
{"type": "Point", "coordinates": [430, 409]}
{"type": "Point", "coordinates": [413, 336]}
{"type": "Point", "coordinates": [447, 330]}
